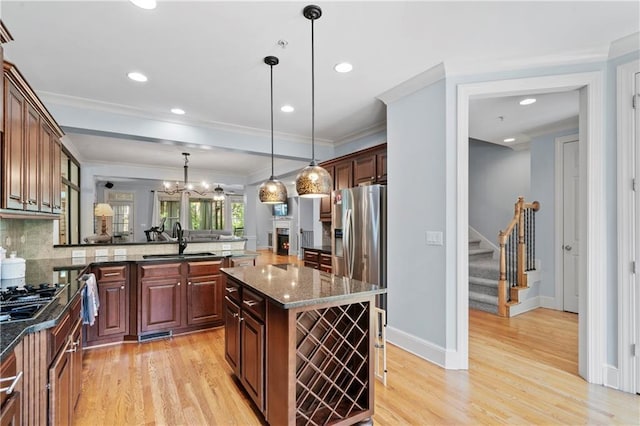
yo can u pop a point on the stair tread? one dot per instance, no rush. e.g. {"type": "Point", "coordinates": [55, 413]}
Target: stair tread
{"type": "Point", "coordinates": [483, 298]}
{"type": "Point", "coordinates": [483, 281]}
{"type": "Point", "coordinates": [480, 251]}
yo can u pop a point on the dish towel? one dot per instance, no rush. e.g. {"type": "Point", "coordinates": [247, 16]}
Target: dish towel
{"type": "Point", "coordinates": [90, 301]}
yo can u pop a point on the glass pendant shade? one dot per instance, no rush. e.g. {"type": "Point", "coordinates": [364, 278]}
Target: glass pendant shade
{"type": "Point", "coordinates": [314, 182]}
{"type": "Point", "coordinates": [272, 191]}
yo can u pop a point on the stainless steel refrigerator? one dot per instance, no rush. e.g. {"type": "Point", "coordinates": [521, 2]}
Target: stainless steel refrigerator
{"type": "Point", "coordinates": [359, 235]}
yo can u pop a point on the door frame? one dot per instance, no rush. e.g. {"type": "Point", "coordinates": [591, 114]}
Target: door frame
{"type": "Point", "coordinates": [628, 164]}
{"type": "Point", "coordinates": [558, 238]}
{"type": "Point", "coordinates": [592, 270]}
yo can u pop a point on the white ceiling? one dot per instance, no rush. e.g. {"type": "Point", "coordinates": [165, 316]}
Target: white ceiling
{"type": "Point", "coordinates": [206, 57]}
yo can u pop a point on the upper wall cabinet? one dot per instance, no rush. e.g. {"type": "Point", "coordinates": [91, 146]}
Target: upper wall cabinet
{"type": "Point", "coordinates": [5, 37]}
{"type": "Point", "coordinates": [31, 170]}
{"type": "Point", "coordinates": [359, 168]}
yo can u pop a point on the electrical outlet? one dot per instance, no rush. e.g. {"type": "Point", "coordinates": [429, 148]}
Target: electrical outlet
{"type": "Point", "coordinates": [434, 238]}
{"type": "Point", "coordinates": [102, 253]}
{"type": "Point", "coordinates": [78, 253]}
{"type": "Point", "coordinates": [226, 247]}
{"type": "Point", "coordinates": [120, 252]}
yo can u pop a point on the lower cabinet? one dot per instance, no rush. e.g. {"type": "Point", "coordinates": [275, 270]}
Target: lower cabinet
{"type": "Point", "coordinates": [317, 259]}
{"type": "Point", "coordinates": [10, 397]}
{"type": "Point", "coordinates": [161, 303]}
{"type": "Point", "coordinates": [65, 371]}
{"type": "Point", "coordinates": [112, 322]}
{"type": "Point", "coordinates": [245, 339]}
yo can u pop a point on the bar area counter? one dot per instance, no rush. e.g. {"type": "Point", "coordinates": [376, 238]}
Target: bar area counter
{"type": "Point", "coordinates": [300, 341]}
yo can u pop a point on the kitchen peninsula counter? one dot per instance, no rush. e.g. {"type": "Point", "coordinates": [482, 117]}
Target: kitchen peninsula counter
{"type": "Point", "coordinates": [300, 342]}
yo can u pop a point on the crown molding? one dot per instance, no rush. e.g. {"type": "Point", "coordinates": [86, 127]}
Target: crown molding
{"type": "Point", "coordinates": [114, 108]}
{"type": "Point", "coordinates": [624, 45]}
{"type": "Point", "coordinates": [414, 84]}
{"type": "Point", "coordinates": [367, 131]}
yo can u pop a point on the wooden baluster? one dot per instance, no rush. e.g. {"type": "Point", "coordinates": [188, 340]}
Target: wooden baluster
{"type": "Point", "coordinates": [502, 281]}
{"type": "Point", "coordinates": [522, 277]}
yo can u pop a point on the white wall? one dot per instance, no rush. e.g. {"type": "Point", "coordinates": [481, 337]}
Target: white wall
{"type": "Point", "coordinates": [416, 199]}
{"type": "Point", "coordinates": [498, 175]}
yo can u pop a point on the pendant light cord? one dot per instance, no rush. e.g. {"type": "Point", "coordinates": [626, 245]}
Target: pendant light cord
{"type": "Point", "coordinates": [272, 174]}
{"type": "Point", "coordinates": [313, 99]}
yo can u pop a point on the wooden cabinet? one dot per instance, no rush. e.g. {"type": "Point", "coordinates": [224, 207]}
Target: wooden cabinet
{"type": "Point", "coordinates": [180, 296]}
{"type": "Point", "coordinates": [10, 402]}
{"type": "Point", "coordinates": [112, 322]}
{"type": "Point", "coordinates": [65, 372]}
{"type": "Point", "coordinates": [245, 339]}
{"type": "Point", "coordinates": [317, 259]}
{"type": "Point", "coordinates": [204, 292]}
{"type": "Point", "coordinates": [325, 202]}
{"type": "Point", "coordinates": [31, 172]}
{"type": "Point", "coordinates": [381, 167]}
{"type": "Point", "coordinates": [370, 168]}
{"type": "Point", "coordinates": [242, 261]}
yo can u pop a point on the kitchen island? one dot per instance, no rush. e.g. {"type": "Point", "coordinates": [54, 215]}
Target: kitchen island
{"type": "Point", "coordinates": [300, 342]}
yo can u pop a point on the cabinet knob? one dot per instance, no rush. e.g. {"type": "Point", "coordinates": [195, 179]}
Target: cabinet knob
{"type": "Point", "coordinates": [189, 283]}
{"type": "Point", "coordinates": [235, 315]}
{"type": "Point", "coordinates": [179, 283]}
{"type": "Point", "coordinates": [121, 287]}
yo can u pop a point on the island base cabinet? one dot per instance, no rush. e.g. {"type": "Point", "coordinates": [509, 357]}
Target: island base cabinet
{"type": "Point", "coordinates": [232, 335]}
{"type": "Point", "coordinates": [252, 358]}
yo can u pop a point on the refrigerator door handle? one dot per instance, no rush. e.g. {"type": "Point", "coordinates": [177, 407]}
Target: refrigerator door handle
{"type": "Point", "coordinates": [349, 248]}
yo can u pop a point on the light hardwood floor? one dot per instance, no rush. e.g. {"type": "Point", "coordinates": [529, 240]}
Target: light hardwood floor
{"type": "Point", "coordinates": [521, 371]}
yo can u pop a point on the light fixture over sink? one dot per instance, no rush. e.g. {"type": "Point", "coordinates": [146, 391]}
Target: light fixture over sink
{"type": "Point", "coordinates": [313, 181]}
{"type": "Point", "coordinates": [272, 191]}
{"type": "Point", "coordinates": [186, 186]}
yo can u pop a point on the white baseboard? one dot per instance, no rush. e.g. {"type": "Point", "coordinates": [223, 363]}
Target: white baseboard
{"type": "Point", "coordinates": [436, 354]}
{"type": "Point", "coordinates": [525, 306]}
{"type": "Point", "coordinates": [548, 302]}
{"type": "Point", "coordinates": [484, 242]}
{"type": "Point", "coordinates": [611, 377]}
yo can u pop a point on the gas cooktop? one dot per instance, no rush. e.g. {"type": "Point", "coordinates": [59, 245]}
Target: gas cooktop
{"type": "Point", "coordinates": [25, 303]}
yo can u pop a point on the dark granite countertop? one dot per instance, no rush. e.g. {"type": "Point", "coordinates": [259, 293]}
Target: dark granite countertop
{"type": "Point", "coordinates": [12, 332]}
{"type": "Point", "coordinates": [292, 286]}
{"type": "Point", "coordinates": [321, 249]}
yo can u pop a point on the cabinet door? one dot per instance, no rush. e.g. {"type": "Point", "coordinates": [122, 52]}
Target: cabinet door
{"type": "Point", "coordinates": [232, 335]}
{"type": "Point", "coordinates": [252, 353]}
{"type": "Point", "coordinates": [160, 304]}
{"type": "Point", "coordinates": [76, 365]}
{"type": "Point", "coordinates": [114, 311]}
{"type": "Point", "coordinates": [204, 299]}
{"type": "Point", "coordinates": [60, 389]}
{"type": "Point", "coordinates": [364, 169]}
{"type": "Point", "coordinates": [381, 167]}
{"type": "Point", "coordinates": [46, 137]}
{"type": "Point", "coordinates": [31, 159]}
{"type": "Point", "coordinates": [56, 176]}
{"type": "Point", "coordinates": [13, 154]}
{"type": "Point", "coordinates": [343, 175]}
{"type": "Point", "coordinates": [325, 202]}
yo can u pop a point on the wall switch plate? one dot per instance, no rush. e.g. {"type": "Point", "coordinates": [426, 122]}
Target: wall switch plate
{"type": "Point", "coordinates": [120, 252]}
{"type": "Point", "coordinates": [226, 247]}
{"type": "Point", "coordinates": [78, 253]}
{"type": "Point", "coordinates": [434, 238]}
{"type": "Point", "coordinates": [226, 253]}
{"type": "Point", "coordinates": [102, 253]}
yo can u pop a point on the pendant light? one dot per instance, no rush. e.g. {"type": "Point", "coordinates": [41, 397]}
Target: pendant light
{"type": "Point", "coordinates": [313, 181]}
{"type": "Point", "coordinates": [272, 191]}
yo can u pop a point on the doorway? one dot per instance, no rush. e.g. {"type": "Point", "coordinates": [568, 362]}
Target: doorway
{"type": "Point", "coordinates": [591, 273]}
{"type": "Point", "coordinates": [567, 223]}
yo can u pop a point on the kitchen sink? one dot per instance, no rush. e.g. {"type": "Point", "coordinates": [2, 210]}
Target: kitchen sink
{"type": "Point", "coordinates": [176, 255]}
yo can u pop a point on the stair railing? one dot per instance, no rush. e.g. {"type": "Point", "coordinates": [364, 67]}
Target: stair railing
{"type": "Point", "coordinates": [517, 251]}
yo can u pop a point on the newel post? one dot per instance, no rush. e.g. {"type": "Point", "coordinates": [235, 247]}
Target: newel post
{"type": "Point", "coordinates": [502, 281]}
{"type": "Point", "coordinates": [522, 248]}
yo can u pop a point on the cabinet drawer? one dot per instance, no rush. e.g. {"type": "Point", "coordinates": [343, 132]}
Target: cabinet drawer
{"type": "Point", "coordinates": [232, 290]}
{"type": "Point", "coordinates": [210, 267]}
{"type": "Point", "coordinates": [160, 270]}
{"type": "Point", "coordinates": [311, 256]}
{"type": "Point", "coordinates": [111, 273]}
{"type": "Point", "coordinates": [60, 335]}
{"type": "Point", "coordinates": [253, 303]}
{"type": "Point", "coordinates": [243, 261]}
{"type": "Point", "coordinates": [325, 259]}
{"type": "Point", "coordinates": [314, 265]}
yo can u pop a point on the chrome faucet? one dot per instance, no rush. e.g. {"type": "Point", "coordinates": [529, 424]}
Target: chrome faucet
{"type": "Point", "coordinates": [182, 243]}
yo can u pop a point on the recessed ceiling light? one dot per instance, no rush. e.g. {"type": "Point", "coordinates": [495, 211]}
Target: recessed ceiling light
{"type": "Point", "coordinates": [343, 67]}
{"type": "Point", "coordinates": [287, 108]}
{"type": "Point", "coordinates": [528, 101]}
{"type": "Point", "coordinates": [178, 111]}
{"type": "Point", "coordinates": [144, 4]}
{"type": "Point", "coordinates": [509, 140]}
{"type": "Point", "coordinates": [137, 76]}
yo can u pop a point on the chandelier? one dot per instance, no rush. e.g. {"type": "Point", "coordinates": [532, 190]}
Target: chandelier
{"type": "Point", "coordinates": [186, 186]}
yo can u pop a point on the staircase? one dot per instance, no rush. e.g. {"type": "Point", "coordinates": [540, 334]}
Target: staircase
{"type": "Point", "coordinates": [484, 272]}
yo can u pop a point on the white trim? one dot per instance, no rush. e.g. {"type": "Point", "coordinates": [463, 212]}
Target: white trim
{"type": "Point", "coordinates": [548, 302]}
{"type": "Point", "coordinates": [484, 241]}
{"type": "Point", "coordinates": [593, 279]}
{"type": "Point", "coordinates": [611, 376]}
{"type": "Point", "coordinates": [414, 84]}
{"type": "Point", "coordinates": [362, 133]}
{"type": "Point", "coordinates": [524, 306]}
{"type": "Point", "coordinates": [558, 224]}
{"type": "Point", "coordinates": [423, 349]}
{"type": "Point", "coordinates": [625, 209]}
{"type": "Point", "coordinates": [624, 45]}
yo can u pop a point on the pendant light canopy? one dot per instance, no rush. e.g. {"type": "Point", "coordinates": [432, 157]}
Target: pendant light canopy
{"type": "Point", "coordinates": [272, 191]}
{"type": "Point", "coordinates": [313, 181]}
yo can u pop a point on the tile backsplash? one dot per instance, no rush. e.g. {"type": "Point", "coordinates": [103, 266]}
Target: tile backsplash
{"type": "Point", "coordinates": [30, 239]}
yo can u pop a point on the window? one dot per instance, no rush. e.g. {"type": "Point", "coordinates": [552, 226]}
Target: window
{"type": "Point", "coordinates": [122, 204]}
{"type": "Point", "coordinates": [205, 213]}
{"type": "Point", "coordinates": [69, 223]}
{"type": "Point", "coordinates": [170, 211]}
{"type": "Point", "coordinates": [237, 215]}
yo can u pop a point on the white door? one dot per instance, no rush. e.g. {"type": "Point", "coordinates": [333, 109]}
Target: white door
{"type": "Point", "coordinates": [636, 249]}
{"type": "Point", "coordinates": [570, 231]}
